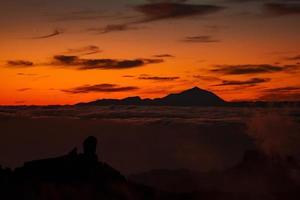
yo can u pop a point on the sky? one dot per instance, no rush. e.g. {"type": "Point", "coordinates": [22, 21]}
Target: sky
{"type": "Point", "coordinates": [70, 51]}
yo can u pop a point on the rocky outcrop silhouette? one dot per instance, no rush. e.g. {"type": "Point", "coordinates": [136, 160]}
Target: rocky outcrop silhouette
{"type": "Point", "coordinates": [71, 176]}
{"type": "Point", "coordinates": [72, 167]}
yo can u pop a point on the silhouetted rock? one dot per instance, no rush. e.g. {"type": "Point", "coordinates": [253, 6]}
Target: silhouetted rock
{"type": "Point", "coordinates": [72, 167]}
{"type": "Point", "coordinates": [74, 176]}
{"type": "Point", "coordinates": [89, 148]}
{"type": "Point", "coordinates": [74, 173]}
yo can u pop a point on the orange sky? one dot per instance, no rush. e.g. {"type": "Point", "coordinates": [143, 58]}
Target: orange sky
{"type": "Point", "coordinates": [239, 50]}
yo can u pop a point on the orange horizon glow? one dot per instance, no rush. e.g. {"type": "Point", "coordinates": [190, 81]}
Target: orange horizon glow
{"type": "Point", "coordinates": [219, 39]}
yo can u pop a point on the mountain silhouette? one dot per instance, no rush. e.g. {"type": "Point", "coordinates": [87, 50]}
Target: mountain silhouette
{"type": "Point", "coordinates": [191, 97]}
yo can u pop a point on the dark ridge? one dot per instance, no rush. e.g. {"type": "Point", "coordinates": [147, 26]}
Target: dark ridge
{"type": "Point", "coordinates": [76, 176]}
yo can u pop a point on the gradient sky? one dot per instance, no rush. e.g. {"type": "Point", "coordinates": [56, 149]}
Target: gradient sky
{"type": "Point", "coordinates": [69, 51]}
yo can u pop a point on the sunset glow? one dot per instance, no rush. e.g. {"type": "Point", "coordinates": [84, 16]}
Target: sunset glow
{"type": "Point", "coordinates": [65, 52]}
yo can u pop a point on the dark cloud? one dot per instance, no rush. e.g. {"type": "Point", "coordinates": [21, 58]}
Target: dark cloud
{"type": "Point", "coordinates": [294, 58]}
{"type": "Point", "coordinates": [128, 76]}
{"type": "Point", "coordinates": [252, 69]}
{"type": "Point", "coordinates": [99, 88]}
{"type": "Point", "coordinates": [23, 89]}
{"type": "Point", "coordinates": [283, 8]}
{"type": "Point", "coordinates": [291, 93]}
{"type": "Point", "coordinates": [164, 56]}
{"type": "Point", "coordinates": [20, 63]}
{"type": "Point", "coordinates": [215, 28]}
{"type": "Point", "coordinates": [113, 28]}
{"type": "Point", "coordinates": [250, 82]}
{"type": "Point", "coordinates": [82, 15]}
{"type": "Point", "coordinates": [161, 10]}
{"type": "Point", "coordinates": [201, 39]}
{"type": "Point", "coordinates": [55, 32]}
{"type": "Point", "coordinates": [87, 50]}
{"type": "Point", "coordinates": [89, 64]}
{"type": "Point", "coordinates": [283, 89]}
{"type": "Point", "coordinates": [158, 78]}
{"type": "Point", "coordinates": [32, 76]}
{"type": "Point", "coordinates": [280, 97]}
{"type": "Point", "coordinates": [26, 74]}
{"type": "Point", "coordinates": [243, 1]}
{"type": "Point", "coordinates": [262, 1]}
{"type": "Point", "coordinates": [206, 78]}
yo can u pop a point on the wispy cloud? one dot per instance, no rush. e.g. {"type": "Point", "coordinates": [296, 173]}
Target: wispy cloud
{"type": "Point", "coordinates": [158, 78]}
{"type": "Point", "coordinates": [297, 57]}
{"type": "Point", "coordinates": [162, 10]}
{"type": "Point", "coordinates": [99, 88]}
{"type": "Point", "coordinates": [283, 89]}
{"type": "Point", "coordinates": [252, 69]}
{"type": "Point", "coordinates": [82, 15]}
{"type": "Point", "coordinates": [26, 74]}
{"type": "Point", "coordinates": [104, 64]}
{"type": "Point", "coordinates": [23, 89]}
{"type": "Point", "coordinates": [290, 93]}
{"type": "Point", "coordinates": [163, 56]}
{"type": "Point", "coordinates": [19, 63]}
{"type": "Point", "coordinates": [113, 28]}
{"type": "Point", "coordinates": [82, 51]}
{"type": "Point", "coordinates": [55, 32]}
{"type": "Point", "coordinates": [250, 82]}
{"type": "Point", "coordinates": [281, 9]}
{"type": "Point", "coordinates": [128, 76]}
{"type": "Point", "coordinates": [206, 78]}
{"type": "Point", "coordinates": [201, 39]}
{"type": "Point", "coordinates": [157, 10]}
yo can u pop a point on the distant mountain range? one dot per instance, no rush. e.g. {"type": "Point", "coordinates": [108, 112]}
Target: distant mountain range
{"type": "Point", "coordinates": [191, 97]}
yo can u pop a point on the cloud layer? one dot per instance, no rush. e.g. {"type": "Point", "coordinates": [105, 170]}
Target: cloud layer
{"type": "Point", "coordinates": [250, 82]}
{"type": "Point", "coordinates": [161, 10]}
{"type": "Point", "coordinates": [252, 69]}
{"type": "Point", "coordinates": [86, 50]}
{"type": "Point", "coordinates": [201, 39]}
{"type": "Point", "coordinates": [158, 78]}
{"type": "Point", "coordinates": [281, 9]}
{"type": "Point", "coordinates": [99, 88]}
{"type": "Point", "coordinates": [55, 32]}
{"type": "Point", "coordinates": [104, 64]}
{"type": "Point", "coordinates": [291, 93]}
{"type": "Point", "coordinates": [19, 63]}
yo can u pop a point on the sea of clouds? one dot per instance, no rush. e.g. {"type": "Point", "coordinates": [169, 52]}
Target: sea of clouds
{"type": "Point", "coordinates": [139, 138]}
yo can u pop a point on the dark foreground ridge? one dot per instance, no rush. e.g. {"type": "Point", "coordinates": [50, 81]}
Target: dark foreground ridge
{"type": "Point", "coordinates": [81, 176]}
{"type": "Point", "coordinates": [75, 176]}
{"type": "Point", "coordinates": [191, 97]}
